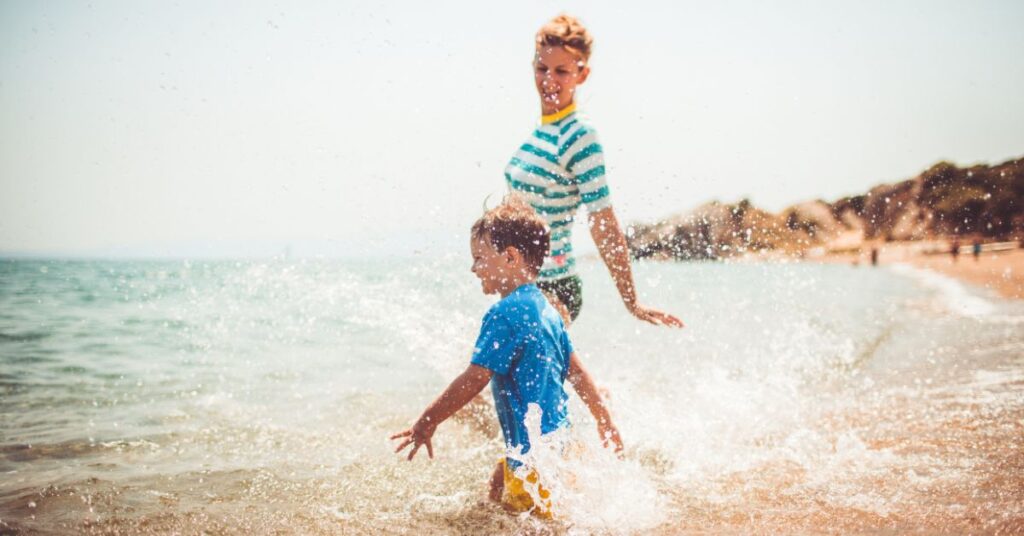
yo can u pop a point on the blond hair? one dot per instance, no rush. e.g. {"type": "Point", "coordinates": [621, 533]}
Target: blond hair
{"type": "Point", "coordinates": [568, 32]}
{"type": "Point", "coordinates": [514, 223]}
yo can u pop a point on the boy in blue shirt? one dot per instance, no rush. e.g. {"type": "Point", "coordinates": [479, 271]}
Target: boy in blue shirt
{"type": "Point", "coordinates": [523, 351]}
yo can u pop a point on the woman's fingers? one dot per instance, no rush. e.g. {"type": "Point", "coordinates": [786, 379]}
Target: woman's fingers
{"type": "Point", "coordinates": [670, 320]}
{"type": "Point", "coordinates": [657, 317]}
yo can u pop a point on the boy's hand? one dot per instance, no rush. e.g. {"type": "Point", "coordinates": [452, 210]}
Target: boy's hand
{"type": "Point", "coordinates": [417, 436]}
{"type": "Point", "coordinates": [610, 434]}
{"type": "Point", "coordinates": [457, 395]}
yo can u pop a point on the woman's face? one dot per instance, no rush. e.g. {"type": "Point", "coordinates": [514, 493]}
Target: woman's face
{"type": "Point", "coordinates": [557, 72]}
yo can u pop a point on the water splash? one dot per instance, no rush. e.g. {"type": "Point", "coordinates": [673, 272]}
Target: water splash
{"type": "Point", "coordinates": [590, 487]}
{"type": "Point", "coordinates": [255, 397]}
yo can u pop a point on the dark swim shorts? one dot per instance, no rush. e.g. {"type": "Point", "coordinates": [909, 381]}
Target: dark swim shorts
{"type": "Point", "coordinates": [568, 290]}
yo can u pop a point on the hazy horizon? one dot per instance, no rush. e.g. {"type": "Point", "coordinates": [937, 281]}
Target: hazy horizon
{"type": "Point", "coordinates": [347, 130]}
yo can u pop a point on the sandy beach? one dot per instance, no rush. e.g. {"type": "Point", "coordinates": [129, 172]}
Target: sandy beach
{"type": "Point", "coordinates": [1000, 271]}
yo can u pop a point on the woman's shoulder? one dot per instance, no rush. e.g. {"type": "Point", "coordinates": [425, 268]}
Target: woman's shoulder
{"type": "Point", "coordinates": [576, 134]}
{"type": "Point", "coordinates": [566, 133]}
{"type": "Point", "coordinates": [573, 123]}
{"type": "Point", "coordinates": [576, 128]}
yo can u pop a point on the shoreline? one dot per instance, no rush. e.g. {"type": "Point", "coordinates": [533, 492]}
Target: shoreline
{"type": "Point", "coordinates": [1001, 272]}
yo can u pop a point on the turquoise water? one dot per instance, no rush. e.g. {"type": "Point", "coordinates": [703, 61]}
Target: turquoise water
{"type": "Point", "coordinates": [232, 397]}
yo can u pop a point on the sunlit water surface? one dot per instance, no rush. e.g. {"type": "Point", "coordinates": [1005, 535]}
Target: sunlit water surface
{"type": "Point", "coordinates": [257, 397]}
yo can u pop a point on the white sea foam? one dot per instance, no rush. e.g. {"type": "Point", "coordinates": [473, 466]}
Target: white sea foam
{"type": "Point", "coordinates": [955, 296]}
{"type": "Point", "coordinates": [590, 488]}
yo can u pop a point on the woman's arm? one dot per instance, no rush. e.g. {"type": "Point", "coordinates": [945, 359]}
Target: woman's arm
{"type": "Point", "coordinates": [607, 234]}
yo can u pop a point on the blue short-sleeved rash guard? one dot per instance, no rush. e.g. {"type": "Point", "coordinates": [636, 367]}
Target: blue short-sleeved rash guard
{"type": "Point", "coordinates": [524, 342]}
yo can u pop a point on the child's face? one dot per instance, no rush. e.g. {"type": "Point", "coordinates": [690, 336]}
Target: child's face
{"type": "Point", "coordinates": [491, 266]}
{"type": "Point", "coordinates": [557, 72]}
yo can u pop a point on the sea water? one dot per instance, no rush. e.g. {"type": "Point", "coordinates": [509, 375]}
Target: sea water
{"type": "Point", "coordinates": [258, 396]}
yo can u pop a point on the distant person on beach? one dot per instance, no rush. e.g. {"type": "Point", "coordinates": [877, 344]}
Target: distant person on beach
{"type": "Point", "coordinates": [976, 250]}
{"type": "Point", "coordinates": [954, 250]}
{"type": "Point", "coordinates": [523, 350]}
{"type": "Point", "coordinates": [560, 166]}
{"type": "Point", "coordinates": [874, 256]}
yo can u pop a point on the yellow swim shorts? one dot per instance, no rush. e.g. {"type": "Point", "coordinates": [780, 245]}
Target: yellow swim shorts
{"type": "Point", "coordinates": [517, 498]}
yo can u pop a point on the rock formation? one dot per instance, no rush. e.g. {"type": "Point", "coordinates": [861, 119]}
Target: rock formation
{"type": "Point", "coordinates": [945, 200]}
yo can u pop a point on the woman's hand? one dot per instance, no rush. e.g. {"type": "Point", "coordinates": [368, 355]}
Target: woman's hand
{"type": "Point", "coordinates": [656, 317]}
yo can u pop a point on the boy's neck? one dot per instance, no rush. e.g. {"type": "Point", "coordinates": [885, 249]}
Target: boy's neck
{"type": "Point", "coordinates": [514, 285]}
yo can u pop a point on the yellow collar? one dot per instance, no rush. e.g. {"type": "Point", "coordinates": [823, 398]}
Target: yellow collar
{"type": "Point", "coordinates": [559, 115]}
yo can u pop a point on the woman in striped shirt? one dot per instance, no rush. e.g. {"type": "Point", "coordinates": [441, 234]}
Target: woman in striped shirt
{"type": "Point", "coordinates": [561, 166]}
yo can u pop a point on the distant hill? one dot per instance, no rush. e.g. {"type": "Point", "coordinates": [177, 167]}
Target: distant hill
{"type": "Point", "coordinates": [943, 201]}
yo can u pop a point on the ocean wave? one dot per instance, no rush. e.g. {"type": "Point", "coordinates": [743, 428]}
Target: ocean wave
{"type": "Point", "coordinates": [27, 336]}
{"type": "Point", "coordinates": [956, 297]}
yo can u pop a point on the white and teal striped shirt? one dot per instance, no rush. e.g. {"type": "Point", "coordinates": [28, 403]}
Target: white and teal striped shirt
{"type": "Point", "coordinates": [559, 168]}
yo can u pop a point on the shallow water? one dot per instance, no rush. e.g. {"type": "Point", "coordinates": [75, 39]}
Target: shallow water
{"type": "Point", "coordinates": [252, 397]}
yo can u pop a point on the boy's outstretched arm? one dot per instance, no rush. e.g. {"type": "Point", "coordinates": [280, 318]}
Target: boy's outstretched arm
{"type": "Point", "coordinates": [584, 386]}
{"type": "Point", "coordinates": [466, 386]}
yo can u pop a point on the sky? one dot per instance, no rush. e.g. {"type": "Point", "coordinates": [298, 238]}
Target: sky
{"type": "Point", "coordinates": [142, 128]}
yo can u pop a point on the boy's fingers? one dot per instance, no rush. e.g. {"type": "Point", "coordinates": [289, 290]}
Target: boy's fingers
{"type": "Point", "coordinates": [430, 450]}
{"type": "Point", "coordinates": [413, 451]}
{"type": "Point", "coordinates": [402, 445]}
{"type": "Point", "coordinates": [401, 434]}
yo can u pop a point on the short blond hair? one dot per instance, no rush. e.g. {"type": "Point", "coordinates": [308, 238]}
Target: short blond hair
{"type": "Point", "coordinates": [514, 223]}
{"type": "Point", "coordinates": [569, 33]}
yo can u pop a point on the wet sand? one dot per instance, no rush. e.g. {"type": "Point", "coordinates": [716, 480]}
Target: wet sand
{"type": "Point", "coordinates": [999, 271]}
{"type": "Point", "coordinates": [1002, 272]}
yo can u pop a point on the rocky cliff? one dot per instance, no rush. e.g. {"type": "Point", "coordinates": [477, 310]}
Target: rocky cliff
{"type": "Point", "coordinates": [945, 200]}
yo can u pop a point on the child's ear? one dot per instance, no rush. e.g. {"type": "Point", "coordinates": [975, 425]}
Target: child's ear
{"type": "Point", "coordinates": [512, 254]}
{"type": "Point", "coordinates": [584, 73]}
